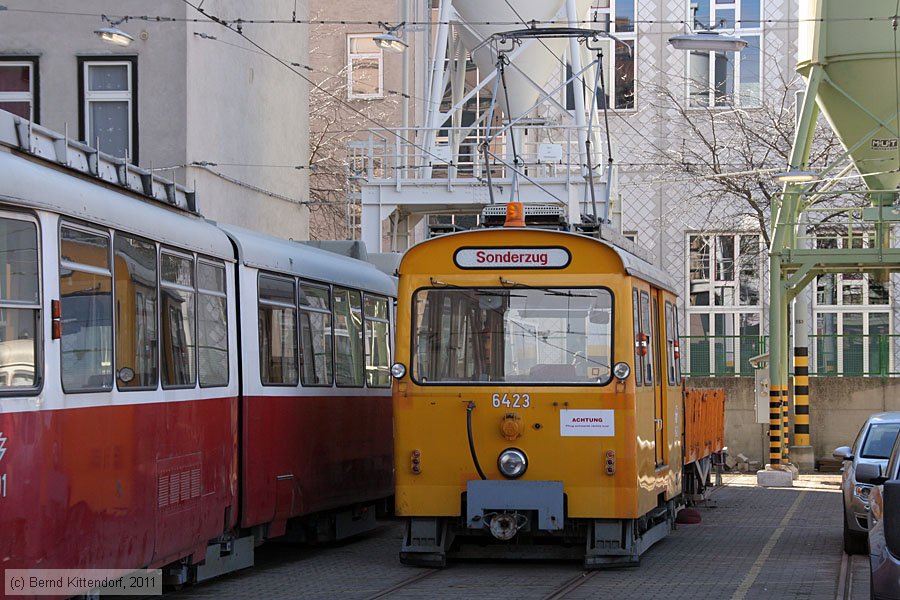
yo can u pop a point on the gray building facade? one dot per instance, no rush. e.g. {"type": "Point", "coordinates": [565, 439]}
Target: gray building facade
{"type": "Point", "coordinates": [188, 96]}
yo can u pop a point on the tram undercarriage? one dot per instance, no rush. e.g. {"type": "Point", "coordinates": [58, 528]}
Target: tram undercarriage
{"type": "Point", "coordinates": [507, 533]}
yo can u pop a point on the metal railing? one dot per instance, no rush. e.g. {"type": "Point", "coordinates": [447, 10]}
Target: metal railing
{"type": "Point", "coordinates": [830, 355]}
{"type": "Point", "coordinates": [545, 152]}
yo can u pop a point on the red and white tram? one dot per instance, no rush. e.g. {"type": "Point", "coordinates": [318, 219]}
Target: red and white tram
{"type": "Point", "coordinates": [173, 392]}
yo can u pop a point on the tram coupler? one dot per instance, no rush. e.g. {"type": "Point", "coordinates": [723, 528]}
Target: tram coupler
{"type": "Point", "coordinates": [504, 526]}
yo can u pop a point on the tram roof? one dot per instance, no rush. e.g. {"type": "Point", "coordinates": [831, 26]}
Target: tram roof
{"type": "Point", "coordinates": [32, 183]}
{"type": "Point", "coordinates": [633, 264]}
{"type": "Point", "coordinates": [285, 256]}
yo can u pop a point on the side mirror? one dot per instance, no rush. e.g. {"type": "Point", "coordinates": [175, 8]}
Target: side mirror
{"type": "Point", "coordinates": [843, 453]}
{"type": "Point", "coordinates": [891, 515]}
{"type": "Point", "coordinates": [869, 473]}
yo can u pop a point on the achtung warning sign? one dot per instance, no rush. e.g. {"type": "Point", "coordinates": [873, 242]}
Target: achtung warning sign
{"type": "Point", "coordinates": [587, 423]}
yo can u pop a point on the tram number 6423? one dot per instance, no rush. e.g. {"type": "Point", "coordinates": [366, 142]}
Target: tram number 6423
{"type": "Point", "coordinates": [510, 400]}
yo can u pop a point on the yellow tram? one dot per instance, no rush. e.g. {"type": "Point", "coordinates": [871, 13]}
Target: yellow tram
{"type": "Point", "coordinates": [538, 402]}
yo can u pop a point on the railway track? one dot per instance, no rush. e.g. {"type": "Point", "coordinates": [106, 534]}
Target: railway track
{"type": "Point", "coordinates": [571, 585]}
{"type": "Point", "coordinates": [398, 586]}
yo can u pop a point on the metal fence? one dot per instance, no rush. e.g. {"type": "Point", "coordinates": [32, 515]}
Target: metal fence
{"type": "Point", "coordinates": [850, 355]}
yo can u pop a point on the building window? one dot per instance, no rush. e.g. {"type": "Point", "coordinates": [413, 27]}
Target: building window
{"type": "Point", "coordinates": [726, 79]}
{"type": "Point", "coordinates": [108, 110]}
{"type": "Point", "coordinates": [365, 76]}
{"type": "Point", "coordinates": [852, 315]}
{"type": "Point", "coordinates": [616, 17]}
{"type": "Point", "coordinates": [724, 303]}
{"type": "Point", "coordinates": [18, 86]}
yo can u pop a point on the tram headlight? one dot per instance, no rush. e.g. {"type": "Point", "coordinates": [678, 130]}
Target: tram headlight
{"type": "Point", "coordinates": [398, 370]}
{"type": "Point", "coordinates": [512, 463]}
{"type": "Point", "coordinates": [621, 370]}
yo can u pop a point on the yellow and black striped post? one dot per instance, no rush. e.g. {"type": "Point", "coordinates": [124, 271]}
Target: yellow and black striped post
{"type": "Point", "coordinates": [785, 429]}
{"type": "Point", "coordinates": [775, 430]}
{"type": "Point", "coordinates": [801, 396]}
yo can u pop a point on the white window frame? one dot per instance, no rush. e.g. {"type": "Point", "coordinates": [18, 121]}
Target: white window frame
{"type": "Point", "coordinates": [732, 312]}
{"type": "Point", "coordinates": [352, 56]}
{"type": "Point", "coordinates": [738, 97]}
{"type": "Point", "coordinates": [857, 238]}
{"type": "Point", "coordinates": [840, 312]}
{"type": "Point", "coordinates": [90, 97]}
{"type": "Point", "coordinates": [605, 18]}
{"type": "Point", "coordinates": [21, 96]}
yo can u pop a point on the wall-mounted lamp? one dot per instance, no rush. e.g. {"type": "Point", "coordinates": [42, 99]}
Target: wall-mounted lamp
{"type": "Point", "coordinates": [710, 41]}
{"type": "Point", "coordinates": [113, 34]}
{"type": "Point", "coordinates": [795, 175]}
{"type": "Point", "coordinates": [389, 41]}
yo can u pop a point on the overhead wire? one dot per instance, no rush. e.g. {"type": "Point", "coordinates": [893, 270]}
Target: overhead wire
{"type": "Point", "coordinates": [209, 18]}
{"type": "Point", "coordinates": [375, 23]}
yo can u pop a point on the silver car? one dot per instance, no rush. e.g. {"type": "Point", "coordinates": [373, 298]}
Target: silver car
{"type": "Point", "coordinates": [872, 446]}
{"type": "Point", "coordinates": [884, 525]}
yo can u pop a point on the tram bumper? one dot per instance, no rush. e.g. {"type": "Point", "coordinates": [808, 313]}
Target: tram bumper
{"type": "Point", "coordinates": [504, 502]}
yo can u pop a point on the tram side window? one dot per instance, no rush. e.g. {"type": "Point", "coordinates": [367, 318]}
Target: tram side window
{"type": "Point", "coordinates": [348, 338]}
{"type": "Point", "coordinates": [137, 338]}
{"type": "Point", "coordinates": [277, 330]}
{"type": "Point", "coordinates": [315, 335]}
{"type": "Point", "coordinates": [378, 347]}
{"type": "Point", "coordinates": [677, 328]}
{"type": "Point", "coordinates": [647, 331]}
{"type": "Point", "coordinates": [638, 358]}
{"type": "Point", "coordinates": [85, 289]}
{"type": "Point", "coordinates": [670, 344]}
{"type": "Point", "coordinates": [212, 322]}
{"type": "Point", "coordinates": [178, 300]}
{"type": "Point", "coordinates": [19, 305]}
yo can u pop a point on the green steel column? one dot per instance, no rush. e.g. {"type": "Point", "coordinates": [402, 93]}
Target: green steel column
{"type": "Point", "coordinates": [784, 223]}
{"type": "Point", "coordinates": [776, 307]}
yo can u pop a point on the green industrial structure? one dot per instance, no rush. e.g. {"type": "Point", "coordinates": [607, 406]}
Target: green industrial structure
{"type": "Point", "coordinates": [848, 56]}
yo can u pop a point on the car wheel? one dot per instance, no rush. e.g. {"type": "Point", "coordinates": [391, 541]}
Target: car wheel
{"type": "Point", "coordinates": [854, 541]}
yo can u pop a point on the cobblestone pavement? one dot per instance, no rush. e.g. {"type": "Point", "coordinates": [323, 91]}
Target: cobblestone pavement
{"type": "Point", "coordinates": [753, 543]}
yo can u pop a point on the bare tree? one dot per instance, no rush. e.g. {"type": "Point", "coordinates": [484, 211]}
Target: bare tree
{"type": "Point", "coordinates": [334, 123]}
{"type": "Point", "coordinates": [730, 155]}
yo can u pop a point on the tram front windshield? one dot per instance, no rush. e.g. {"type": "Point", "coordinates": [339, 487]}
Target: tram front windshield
{"type": "Point", "coordinates": [513, 335]}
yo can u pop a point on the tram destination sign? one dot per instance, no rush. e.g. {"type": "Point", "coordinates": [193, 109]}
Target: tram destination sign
{"type": "Point", "coordinates": [546, 257]}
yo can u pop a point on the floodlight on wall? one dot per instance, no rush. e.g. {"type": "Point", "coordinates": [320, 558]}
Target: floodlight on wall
{"type": "Point", "coordinates": [709, 41]}
{"type": "Point", "coordinates": [389, 41]}
{"type": "Point", "coordinates": [113, 34]}
{"type": "Point", "coordinates": [795, 175]}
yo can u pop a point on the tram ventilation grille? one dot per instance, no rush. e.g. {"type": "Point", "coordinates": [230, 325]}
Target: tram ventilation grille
{"type": "Point", "coordinates": [179, 483]}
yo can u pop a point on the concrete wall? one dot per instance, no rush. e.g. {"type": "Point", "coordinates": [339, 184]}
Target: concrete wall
{"type": "Point", "coordinates": [59, 39]}
{"type": "Point", "coordinates": [838, 408]}
{"type": "Point", "coordinates": [216, 100]}
{"type": "Point", "coordinates": [246, 109]}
